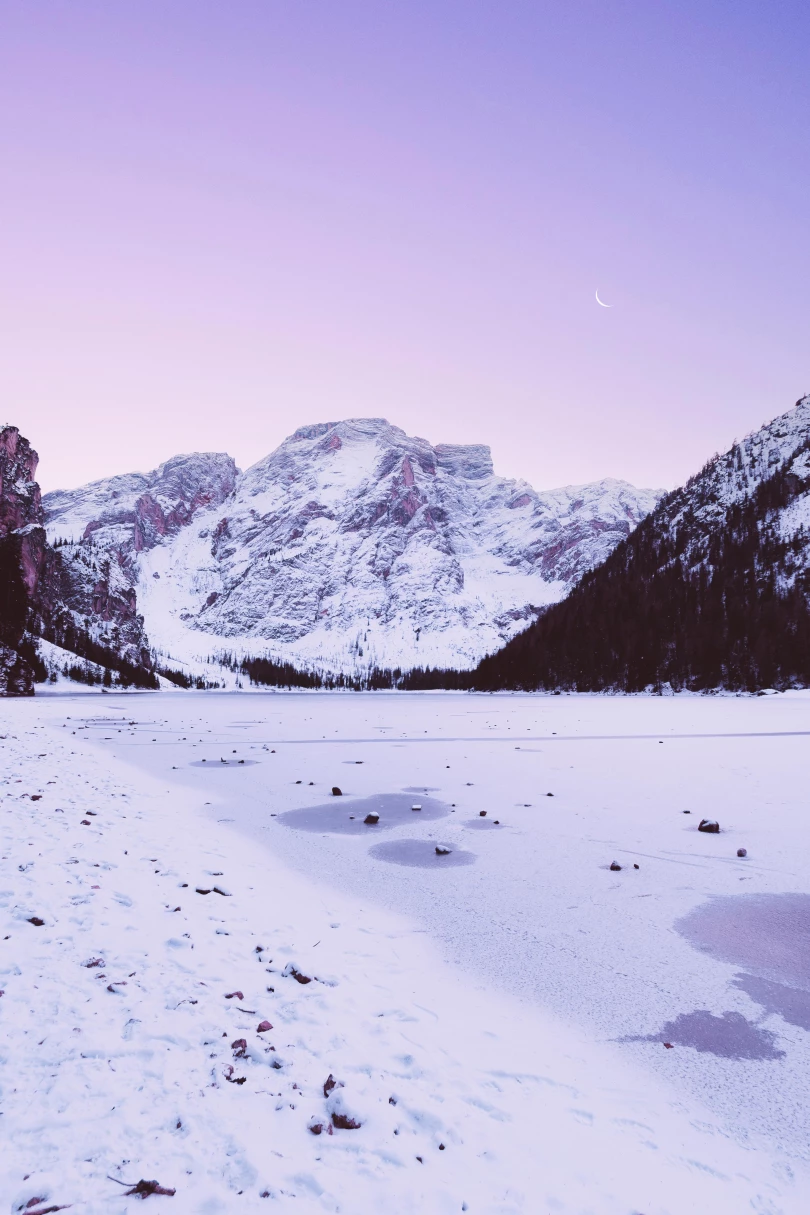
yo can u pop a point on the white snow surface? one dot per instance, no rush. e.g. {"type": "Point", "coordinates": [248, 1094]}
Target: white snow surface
{"type": "Point", "coordinates": [500, 1021]}
{"type": "Point", "coordinates": [351, 545]}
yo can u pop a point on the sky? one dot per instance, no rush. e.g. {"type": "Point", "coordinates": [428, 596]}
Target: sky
{"type": "Point", "coordinates": [219, 222]}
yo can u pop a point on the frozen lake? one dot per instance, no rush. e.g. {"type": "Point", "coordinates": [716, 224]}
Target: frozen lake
{"type": "Point", "coordinates": [686, 943]}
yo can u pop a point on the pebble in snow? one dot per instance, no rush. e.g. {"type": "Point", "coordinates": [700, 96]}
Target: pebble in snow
{"type": "Point", "coordinates": [709, 825]}
{"type": "Point", "coordinates": [442, 851]}
{"type": "Point", "coordinates": [615, 865]}
{"type": "Point", "coordinates": [742, 852]}
{"type": "Point", "coordinates": [336, 792]}
{"type": "Point", "coordinates": [371, 818]}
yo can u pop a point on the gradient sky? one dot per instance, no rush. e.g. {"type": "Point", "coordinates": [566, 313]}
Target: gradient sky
{"type": "Point", "coordinates": [220, 221]}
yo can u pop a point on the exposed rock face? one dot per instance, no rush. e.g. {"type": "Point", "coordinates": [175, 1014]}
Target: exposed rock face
{"type": "Point", "coordinates": [20, 504]}
{"type": "Point", "coordinates": [107, 524]}
{"type": "Point", "coordinates": [353, 544]}
{"type": "Point", "coordinates": [138, 510]}
{"type": "Point", "coordinates": [22, 556]}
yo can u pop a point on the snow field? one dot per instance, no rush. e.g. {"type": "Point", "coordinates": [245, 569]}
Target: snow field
{"type": "Point", "coordinates": [124, 1013]}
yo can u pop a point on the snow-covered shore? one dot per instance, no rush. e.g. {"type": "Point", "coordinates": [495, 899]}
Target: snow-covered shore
{"type": "Point", "coordinates": [131, 1047]}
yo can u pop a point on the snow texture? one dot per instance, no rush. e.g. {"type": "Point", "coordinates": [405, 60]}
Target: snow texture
{"type": "Point", "coordinates": [351, 545]}
{"type": "Point", "coordinates": [156, 1022]}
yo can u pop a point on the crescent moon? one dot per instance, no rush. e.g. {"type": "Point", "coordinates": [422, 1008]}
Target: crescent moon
{"type": "Point", "coordinates": [600, 302]}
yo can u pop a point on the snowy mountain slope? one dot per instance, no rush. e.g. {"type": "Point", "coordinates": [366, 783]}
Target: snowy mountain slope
{"type": "Point", "coordinates": [139, 509]}
{"type": "Point", "coordinates": [351, 545]}
{"type": "Point", "coordinates": [712, 590]}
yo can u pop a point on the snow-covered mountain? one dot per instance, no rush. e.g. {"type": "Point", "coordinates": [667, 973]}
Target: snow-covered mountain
{"type": "Point", "coordinates": [712, 590]}
{"type": "Point", "coordinates": [351, 545]}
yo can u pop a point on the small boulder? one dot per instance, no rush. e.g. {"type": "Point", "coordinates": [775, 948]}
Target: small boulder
{"type": "Point", "coordinates": [344, 1122]}
{"type": "Point", "coordinates": [336, 792]}
{"type": "Point", "coordinates": [442, 851]}
{"type": "Point", "coordinates": [416, 806]}
{"type": "Point", "coordinates": [742, 852]}
{"type": "Point", "coordinates": [329, 1083]}
{"type": "Point", "coordinates": [372, 818]}
{"type": "Point", "coordinates": [709, 825]}
{"type": "Point", "coordinates": [263, 1027]}
{"type": "Point", "coordinates": [482, 814]}
{"type": "Point", "coordinates": [615, 866]}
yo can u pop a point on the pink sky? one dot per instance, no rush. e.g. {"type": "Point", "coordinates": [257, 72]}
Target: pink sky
{"type": "Point", "coordinates": [220, 222]}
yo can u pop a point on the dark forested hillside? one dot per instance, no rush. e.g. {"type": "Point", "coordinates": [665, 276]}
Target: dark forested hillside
{"type": "Point", "coordinates": [711, 590]}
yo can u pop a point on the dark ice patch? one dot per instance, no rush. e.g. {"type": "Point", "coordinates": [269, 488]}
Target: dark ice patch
{"type": "Point", "coordinates": [766, 933]}
{"type": "Point", "coordinates": [419, 854]}
{"type": "Point", "coordinates": [730, 1036]}
{"type": "Point", "coordinates": [346, 817]}
{"type": "Point", "coordinates": [790, 1003]}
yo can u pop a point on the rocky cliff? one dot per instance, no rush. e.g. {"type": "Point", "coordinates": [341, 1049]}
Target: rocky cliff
{"type": "Point", "coordinates": [351, 545]}
{"type": "Point", "coordinates": [22, 557]}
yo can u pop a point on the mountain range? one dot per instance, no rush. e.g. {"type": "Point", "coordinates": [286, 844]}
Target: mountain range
{"type": "Point", "coordinates": [355, 549]}
{"type": "Point", "coordinates": [351, 546]}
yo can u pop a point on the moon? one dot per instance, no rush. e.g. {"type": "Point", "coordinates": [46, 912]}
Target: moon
{"type": "Point", "coordinates": [600, 302]}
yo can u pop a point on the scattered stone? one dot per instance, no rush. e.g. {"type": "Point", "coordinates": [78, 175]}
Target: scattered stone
{"type": "Point", "coordinates": [86, 822]}
{"type": "Point", "coordinates": [336, 792]}
{"type": "Point", "coordinates": [330, 1083]}
{"type": "Point", "coordinates": [235, 995]}
{"type": "Point", "coordinates": [615, 866]}
{"type": "Point", "coordinates": [416, 806]}
{"type": "Point", "coordinates": [372, 818]}
{"type": "Point", "coordinates": [668, 1045]}
{"type": "Point", "coordinates": [482, 814]}
{"type": "Point", "coordinates": [497, 822]}
{"type": "Point", "coordinates": [293, 972]}
{"type": "Point", "coordinates": [549, 795]}
{"type": "Point", "coordinates": [263, 1027]}
{"type": "Point", "coordinates": [94, 962]}
{"type": "Point", "coordinates": [742, 852]}
{"type": "Point", "coordinates": [239, 1048]}
{"type": "Point", "coordinates": [635, 866]}
{"type": "Point", "coordinates": [709, 825]}
{"type": "Point", "coordinates": [36, 921]}
{"type": "Point", "coordinates": [316, 1128]}
{"type": "Point", "coordinates": [36, 797]}
{"type": "Point", "coordinates": [343, 1122]}
{"type": "Point", "coordinates": [686, 812]}
{"type": "Point", "coordinates": [442, 851]}
{"type": "Point", "coordinates": [202, 890]}
{"type": "Point", "coordinates": [225, 893]}
{"type": "Point", "coordinates": [144, 1188]}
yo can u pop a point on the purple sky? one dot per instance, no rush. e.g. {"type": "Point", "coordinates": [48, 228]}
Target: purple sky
{"type": "Point", "coordinates": [220, 221]}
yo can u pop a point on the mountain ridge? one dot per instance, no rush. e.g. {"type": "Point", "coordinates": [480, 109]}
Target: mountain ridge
{"type": "Point", "coordinates": [711, 591]}
{"type": "Point", "coordinates": [351, 545]}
